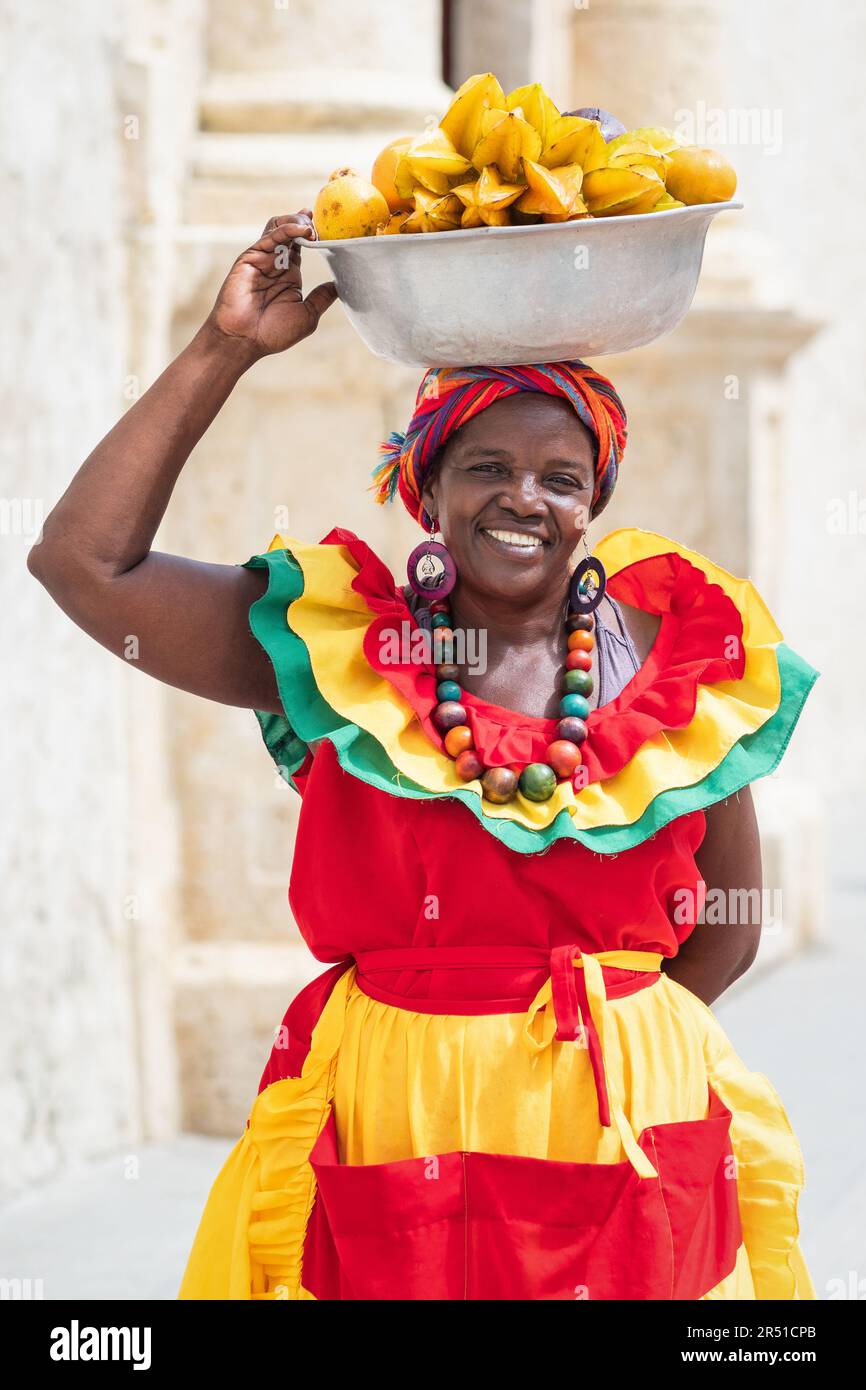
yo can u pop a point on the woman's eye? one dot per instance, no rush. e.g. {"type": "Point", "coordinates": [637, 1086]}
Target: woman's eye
{"type": "Point", "coordinates": [563, 480]}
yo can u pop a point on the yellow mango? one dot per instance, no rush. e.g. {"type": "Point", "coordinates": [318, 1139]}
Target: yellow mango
{"type": "Point", "coordinates": [348, 206]}
{"type": "Point", "coordinates": [698, 175]}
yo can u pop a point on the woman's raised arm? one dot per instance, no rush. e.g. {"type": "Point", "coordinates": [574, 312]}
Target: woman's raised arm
{"type": "Point", "coordinates": [182, 621]}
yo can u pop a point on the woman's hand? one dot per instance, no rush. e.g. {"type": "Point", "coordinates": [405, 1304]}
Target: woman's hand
{"type": "Point", "coordinates": [95, 556]}
{"type": "Point", "coordinates": [261, 303]}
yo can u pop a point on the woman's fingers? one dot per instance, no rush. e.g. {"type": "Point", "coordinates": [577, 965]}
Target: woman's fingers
{"type": "Point", "coordinates": [288, 227]}
{"type": "Point", "coordinates": [320, 299]}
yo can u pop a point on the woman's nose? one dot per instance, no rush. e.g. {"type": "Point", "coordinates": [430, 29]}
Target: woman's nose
{"type": "Point", "coordinates": [522, 495]}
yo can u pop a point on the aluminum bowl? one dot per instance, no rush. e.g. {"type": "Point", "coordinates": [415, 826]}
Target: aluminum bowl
{"type": "Point", "coordinates": [505, 295]}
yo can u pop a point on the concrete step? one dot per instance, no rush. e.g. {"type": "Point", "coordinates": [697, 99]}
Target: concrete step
{"type": "Point", "coordinates": [312, 100]}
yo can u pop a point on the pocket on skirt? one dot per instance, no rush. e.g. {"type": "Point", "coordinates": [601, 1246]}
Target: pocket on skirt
{"type": "Point", "coordinates": [470, 1225]}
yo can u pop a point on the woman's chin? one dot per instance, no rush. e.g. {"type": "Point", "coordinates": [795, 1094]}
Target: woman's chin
{"type": "Point", "coordinates": [502, 576]}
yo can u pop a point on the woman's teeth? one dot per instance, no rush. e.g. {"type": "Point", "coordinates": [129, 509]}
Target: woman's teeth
{"type": "Point", "coordinates": [514, 538]}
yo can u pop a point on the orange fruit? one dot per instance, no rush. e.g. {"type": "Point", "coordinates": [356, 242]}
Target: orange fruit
{"type": "Point", "coordinates": [348, 206]}
{"type": "Point", "coordinates": [382, 175]}
{"type": "Point", "coordinates": [699, 175]}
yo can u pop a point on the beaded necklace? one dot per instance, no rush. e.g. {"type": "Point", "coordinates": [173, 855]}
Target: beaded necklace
{"type": "Point", "coordinates": [536, 781]}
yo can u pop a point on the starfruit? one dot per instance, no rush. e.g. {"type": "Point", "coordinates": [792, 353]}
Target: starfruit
{"type": "Point", "coordinates": [625, 153]}
{"type": "Point", "coordinates": [462, 120]}
{"type": "Point", "coordinates": [615, 191]}
{"type": "Point", "coordinates": [506, 140]}
{"type": "Point", "coordinates": [661, 139]}
{"type": "Point", "coordinates": [537, 108]}
{"type": "Point", "coordinates": [394, 224]}
{"type": "Point", "coordinates": [574, 140]}
{"type": "Point", "coordinates": [486, 201]}
{"type": "Point", "coordinates": [431, 161]}
{"type": "Point", "coordinates": [666, 203]}
{"type": "Point", "coordinates": [552, 193]}
{"type": "Point", "coordinates": [433, 213]}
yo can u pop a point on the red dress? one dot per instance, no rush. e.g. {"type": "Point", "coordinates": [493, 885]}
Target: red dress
{"type": "Point", "coordinates": [495, 1091]}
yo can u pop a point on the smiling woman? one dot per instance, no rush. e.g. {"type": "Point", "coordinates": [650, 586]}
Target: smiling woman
{"type": "Point", "coordinates": [518, 848]}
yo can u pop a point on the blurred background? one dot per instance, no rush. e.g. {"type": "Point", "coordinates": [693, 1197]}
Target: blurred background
{"type": "Point", "coordinates": [148, 952]}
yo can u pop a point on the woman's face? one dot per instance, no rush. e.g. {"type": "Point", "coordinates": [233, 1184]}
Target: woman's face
{"type": "Point", "coordinates": [512, 495]}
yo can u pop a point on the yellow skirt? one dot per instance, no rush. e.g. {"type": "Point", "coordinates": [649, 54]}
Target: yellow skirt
{"type": "Point", "coordinates": [389, 1085]}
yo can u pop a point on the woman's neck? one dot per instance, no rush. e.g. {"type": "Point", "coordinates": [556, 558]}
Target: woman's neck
{"type": "Point", "coordinates": [509, 625]}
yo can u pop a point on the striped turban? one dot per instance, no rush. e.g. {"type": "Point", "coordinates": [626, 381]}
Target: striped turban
{"type": "Point", "coordinates": [449, 396]}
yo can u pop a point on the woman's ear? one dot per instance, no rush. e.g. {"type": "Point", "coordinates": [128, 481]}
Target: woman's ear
{"type": "Point", "coordinates": [429, 492]}
{"type": "Point", "coordinates": [428, 497]}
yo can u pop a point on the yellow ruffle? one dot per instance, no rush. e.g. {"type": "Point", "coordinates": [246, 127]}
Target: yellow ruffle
{"type": "Point", "coordinates": [407, 1085]}
{"type": "Point", "coordinates": [250, 1240]}
{"type": "Point", "coordinates": [332, 619]}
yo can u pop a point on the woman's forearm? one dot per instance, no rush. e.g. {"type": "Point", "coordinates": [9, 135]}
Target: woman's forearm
{"type": "Point", "coordinates": [106, 520]}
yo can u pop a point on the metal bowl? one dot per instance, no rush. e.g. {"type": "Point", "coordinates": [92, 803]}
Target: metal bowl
{"type": "Point", "coordinates": [506, 295]}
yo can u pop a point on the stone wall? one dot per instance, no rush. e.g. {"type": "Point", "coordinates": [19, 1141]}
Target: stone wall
{"type": "Point", "coordinates": [68, 1075]}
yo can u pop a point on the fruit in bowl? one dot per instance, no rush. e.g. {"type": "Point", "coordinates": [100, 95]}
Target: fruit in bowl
{"type": "Point", "coordinates": [698, 175]}
{"type": "Point", "coordinates": [348, 206]}
{"type": "Point", "coordinates": [383, 171]}
{"type": "Point", "coordinates": [500, 159]}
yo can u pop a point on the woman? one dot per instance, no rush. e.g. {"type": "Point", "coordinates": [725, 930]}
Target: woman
{"type": "Point", "coordinates": [509, 1083]}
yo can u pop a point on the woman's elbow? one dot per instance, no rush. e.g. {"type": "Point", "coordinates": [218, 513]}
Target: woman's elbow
{"type": "Point", "coordinates": [746, 958]}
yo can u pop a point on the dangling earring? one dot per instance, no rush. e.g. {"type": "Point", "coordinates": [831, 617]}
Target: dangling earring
{"type": "Point", "coordinates": [431, 569]}
{"type": "Point", "coordinates": [588, 583]}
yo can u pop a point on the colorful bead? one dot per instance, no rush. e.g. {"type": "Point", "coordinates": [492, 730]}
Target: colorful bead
{"type": "Point", "coordinates": [538, 782]}
{"type": "Point", "coordinates": [468, 765]}
{"type": "Point", "coordinates": [499, 785]}
{"type": "Point", "coordinates": [573, 704]}
{"type": "Point", "coordinates": [458, 739]}
{"type": "Point", "coordinates": [446, 671]}
{"type": "Point", "coordinates": [448, 715]}
{"type": "Point", "coordinates": [571, 729]}
{"type": "Point", "coordinates": [577, 683]}
{"type": "Point", "coordinates": [563, 757]}
{"type": "Point", "coordinates": [448, 690]}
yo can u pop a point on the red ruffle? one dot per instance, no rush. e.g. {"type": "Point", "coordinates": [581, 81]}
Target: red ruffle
{"type": "Point", "coordinates": [699, 642]}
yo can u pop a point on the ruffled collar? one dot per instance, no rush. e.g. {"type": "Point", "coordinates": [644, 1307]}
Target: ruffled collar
{"type": "Point", "coordinates": [699, 642]}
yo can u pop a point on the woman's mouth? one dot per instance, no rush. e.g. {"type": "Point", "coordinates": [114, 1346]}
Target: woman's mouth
{"type": "Point", "coordinates": [519, 543]}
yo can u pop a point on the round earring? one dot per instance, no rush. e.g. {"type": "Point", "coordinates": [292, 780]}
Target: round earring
{"type": "Point", "coordinates": [430, 568]}
{"type": "Point", "coordinates": [588, 583]}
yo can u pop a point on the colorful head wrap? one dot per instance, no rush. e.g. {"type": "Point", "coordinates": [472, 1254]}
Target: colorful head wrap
{"type": "Point", "coordinates": [449, 396]}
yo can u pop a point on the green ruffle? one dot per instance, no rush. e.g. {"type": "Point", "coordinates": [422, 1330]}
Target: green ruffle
{"type": "Point", "coordinates": [309, 718]}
